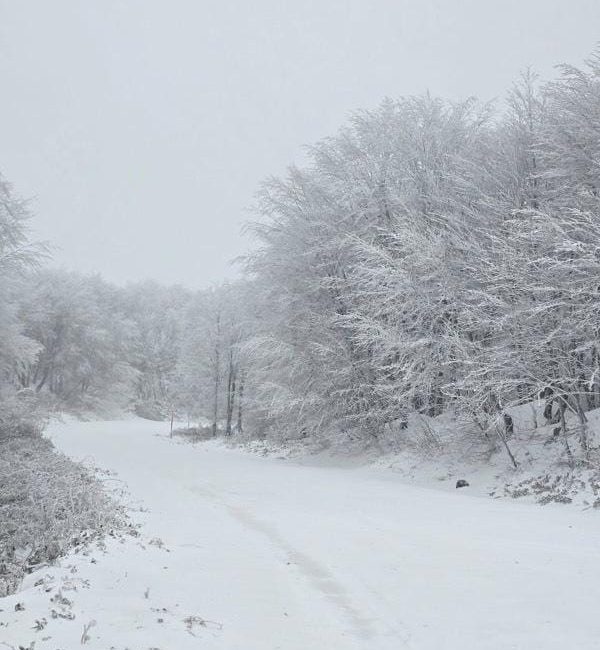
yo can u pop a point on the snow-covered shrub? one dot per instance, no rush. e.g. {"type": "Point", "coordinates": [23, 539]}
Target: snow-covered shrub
{"type": "Point", "coordinates": [150, 411]}
{"type": "Point", "coordinates": [194, 434]}
{"type": "Point", "coordinates": [22, 413]}
{"type": "Point", "coordinates": [48, 504]}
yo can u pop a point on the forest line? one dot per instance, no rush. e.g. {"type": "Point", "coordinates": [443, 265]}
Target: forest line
{"type": "Point", "coordinates": [433, 256]}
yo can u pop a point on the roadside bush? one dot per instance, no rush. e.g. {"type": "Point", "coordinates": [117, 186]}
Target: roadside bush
{"type": "Point", "coordinates": [150, 411]}
{"type": "Point", "coordinates": [194, 434]}
{"type": "Point", "coordinates": [22, 413]}
{"type": "Point", "coordinates": [48, 504]}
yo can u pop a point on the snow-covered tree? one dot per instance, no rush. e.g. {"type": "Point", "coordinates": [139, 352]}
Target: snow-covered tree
{"type": "Point", "coordinates": [17, 351]}
{"type": "Point", "coordinates": [83, 358]}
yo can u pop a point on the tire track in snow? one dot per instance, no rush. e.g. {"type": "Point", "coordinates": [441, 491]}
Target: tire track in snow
{"type": "Point", "coordinates": [316, 574]}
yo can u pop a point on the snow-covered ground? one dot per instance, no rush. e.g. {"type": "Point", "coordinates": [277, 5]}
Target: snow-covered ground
{"type": "Point", "coordinates": [241, 552]}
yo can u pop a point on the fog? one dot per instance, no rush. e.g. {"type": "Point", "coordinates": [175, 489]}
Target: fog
{"type": "Point", "coordinates": [300, 452]}
{"type": "Point", "coordinates": [141, 130]}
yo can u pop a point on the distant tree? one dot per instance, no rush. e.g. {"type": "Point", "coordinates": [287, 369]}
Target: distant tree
{"type": "Point", "coordinates": [156, 316]}
{"type": "Point", "coordinates": [82, 335]}
{"type": "Point", "coordinates": [17, 351]}
{"type": "Point", "coordinates": [210, 366]}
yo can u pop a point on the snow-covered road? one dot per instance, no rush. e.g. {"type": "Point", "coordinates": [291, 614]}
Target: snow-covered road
{"type": "Point", "coordinates": [273, 554]}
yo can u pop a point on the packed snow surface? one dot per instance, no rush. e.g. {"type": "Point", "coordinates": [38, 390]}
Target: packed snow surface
{"type": "Point", "coordinates": [241, 552]}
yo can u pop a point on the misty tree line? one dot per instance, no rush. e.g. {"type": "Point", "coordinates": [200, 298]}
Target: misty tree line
{"type": "Point", "coordinates": [432, 256]}
{"type": "Point", "coordinates": [81, 345]}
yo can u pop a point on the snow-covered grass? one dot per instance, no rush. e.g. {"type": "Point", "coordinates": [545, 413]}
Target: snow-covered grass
{"type": "Point", "coordinates": [242, 552]}
{"type": "Point", "coordinates": [48, 505]}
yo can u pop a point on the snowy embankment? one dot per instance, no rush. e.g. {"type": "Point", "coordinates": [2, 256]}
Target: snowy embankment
{"type": "Point", "coordinates": [240, 552]}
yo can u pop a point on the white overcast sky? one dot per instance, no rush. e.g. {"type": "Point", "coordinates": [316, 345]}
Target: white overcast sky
{"type": "Point", "coordinates": [142, 128]}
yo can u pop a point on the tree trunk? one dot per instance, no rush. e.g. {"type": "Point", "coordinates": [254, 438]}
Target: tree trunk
{"type": "Point", "coordinates": [508, 451]}
{"type": "Point", "coordinates": [230, 394]}
{"type": "Point", "coordinates": [240, 405]}
{"type": "Point", "coordinates": [583, 433]}
{"type": "Point", "coordinates": [563, 426]}
{"type": "Point", "coordinates": [217, 377]}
